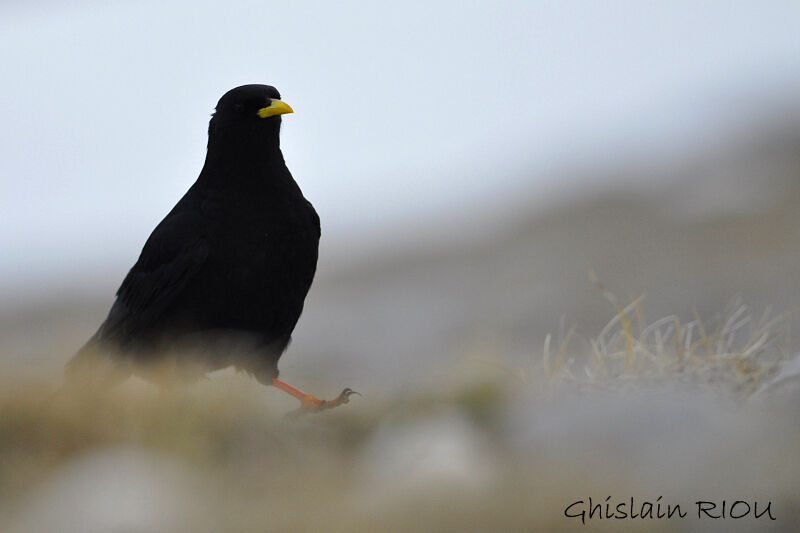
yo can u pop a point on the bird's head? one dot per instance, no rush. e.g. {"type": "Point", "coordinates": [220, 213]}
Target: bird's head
{"type": "Point", "coordinates": [250, 110]}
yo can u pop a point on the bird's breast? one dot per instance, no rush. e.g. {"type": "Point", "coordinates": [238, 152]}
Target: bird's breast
{"type": "Point", "coordinates": [263, 258]}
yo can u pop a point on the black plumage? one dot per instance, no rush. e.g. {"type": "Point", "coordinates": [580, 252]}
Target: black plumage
{"type": "Point", "coordinates": [224, 276]}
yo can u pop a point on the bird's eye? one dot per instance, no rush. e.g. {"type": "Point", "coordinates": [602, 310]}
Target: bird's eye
{"type": "Point", "coordinates": [238, 108]}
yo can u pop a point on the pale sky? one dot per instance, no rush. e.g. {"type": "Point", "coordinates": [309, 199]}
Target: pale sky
{"type": "Point", "coordinates": [403, 110]}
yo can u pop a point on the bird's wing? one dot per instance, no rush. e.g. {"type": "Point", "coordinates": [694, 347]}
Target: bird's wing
{"type": "Point", "coordinates": [174, 253]}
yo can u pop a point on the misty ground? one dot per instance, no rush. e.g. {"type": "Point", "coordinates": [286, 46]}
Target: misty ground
{"type": "Point", "coordinates": [494, 393]}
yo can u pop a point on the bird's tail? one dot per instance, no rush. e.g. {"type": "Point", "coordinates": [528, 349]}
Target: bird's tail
{"type": "Point", "coordinates": [96, 367]}
{"type": "Point", "coordinates": [91, 371]}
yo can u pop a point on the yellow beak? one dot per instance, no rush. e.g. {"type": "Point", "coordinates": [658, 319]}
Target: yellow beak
{"type": "Point", "coordinates": [275, 107]}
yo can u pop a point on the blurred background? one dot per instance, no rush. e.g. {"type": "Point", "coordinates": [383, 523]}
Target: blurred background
{"type": "Point", "coordinates": [471, 162]}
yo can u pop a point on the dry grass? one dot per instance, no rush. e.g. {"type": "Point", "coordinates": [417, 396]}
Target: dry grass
{"type": "Point", "coordinates": [738, 356]}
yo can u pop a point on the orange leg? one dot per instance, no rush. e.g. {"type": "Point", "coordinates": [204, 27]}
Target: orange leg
{"type": "Point", "coordinates": [310, 403]}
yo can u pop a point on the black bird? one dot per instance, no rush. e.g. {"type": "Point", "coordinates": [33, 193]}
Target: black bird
{"type": "Point", "coordinates": [222, 279]}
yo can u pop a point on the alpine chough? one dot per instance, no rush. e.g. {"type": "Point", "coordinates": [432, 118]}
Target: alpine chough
{"type": "Point", "coordinates": [222, 279]}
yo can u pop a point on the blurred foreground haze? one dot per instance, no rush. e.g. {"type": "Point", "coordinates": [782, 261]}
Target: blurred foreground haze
{"type": "Point", "coordinates": [475, 167]}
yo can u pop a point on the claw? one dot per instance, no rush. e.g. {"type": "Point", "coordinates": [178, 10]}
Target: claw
{"type": "Point", "coordinates": [344, 397]}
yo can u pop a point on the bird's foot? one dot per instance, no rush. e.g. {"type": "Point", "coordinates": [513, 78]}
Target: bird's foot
{"type": "Point", "coordinates": [310, 403]}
